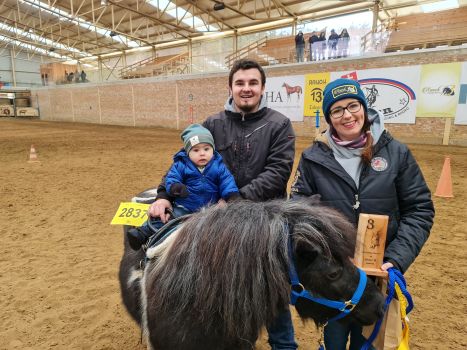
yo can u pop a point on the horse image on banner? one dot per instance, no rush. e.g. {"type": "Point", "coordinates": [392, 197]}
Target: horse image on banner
{"type": "Point", "coordinates": [292, 90]}
{"type": "Point", "coordinates": [226, 272]}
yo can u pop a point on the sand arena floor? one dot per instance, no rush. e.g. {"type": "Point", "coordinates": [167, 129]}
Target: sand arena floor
{"type": "Point", "coordinates": [59, 256]}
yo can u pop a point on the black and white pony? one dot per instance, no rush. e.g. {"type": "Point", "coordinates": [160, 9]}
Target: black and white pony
{"type": "Point", "coordinates": [216, 281]}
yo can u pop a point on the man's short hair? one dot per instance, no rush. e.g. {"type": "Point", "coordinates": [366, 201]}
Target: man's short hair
{"type": "Point", "coordinates": [245, 64]}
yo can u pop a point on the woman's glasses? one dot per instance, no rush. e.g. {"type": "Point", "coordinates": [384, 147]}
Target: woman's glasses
{"type": "Point", "coordinates": [352, 107]}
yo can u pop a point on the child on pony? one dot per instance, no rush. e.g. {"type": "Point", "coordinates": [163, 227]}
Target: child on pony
{"type": "Point", "coordinates": [197, 177]}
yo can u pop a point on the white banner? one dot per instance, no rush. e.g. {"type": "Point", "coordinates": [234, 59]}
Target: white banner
{"type": "Point", "coordinates": [461, 112]}
{"type": "Point", "coordinates": [285, 95]}
{"type": "Point", "coordinates": [389, 90]}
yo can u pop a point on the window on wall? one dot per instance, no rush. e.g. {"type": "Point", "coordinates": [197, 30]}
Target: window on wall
{"type": "Point", "coordinates": [277, 33]}
{"type": "Point", "coordinates": [209, 56]}
{"type": "Point", "coordinates": [248, 39]}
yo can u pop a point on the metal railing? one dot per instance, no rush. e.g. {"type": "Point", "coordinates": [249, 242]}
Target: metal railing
{"type": "Point", "coordinates": [245, 51]}
{"type": "Point", "coordinates": [178, 64]}
{"type": "Point", "coordinates": [376, 41]}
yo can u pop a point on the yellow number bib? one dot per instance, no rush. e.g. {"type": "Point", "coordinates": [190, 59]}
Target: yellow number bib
{"type": "Point", "coordinates": [130, 213]}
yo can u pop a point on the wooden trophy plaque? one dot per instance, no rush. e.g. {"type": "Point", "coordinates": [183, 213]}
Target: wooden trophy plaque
{"type": "Point", "coordinates": [370, 244]}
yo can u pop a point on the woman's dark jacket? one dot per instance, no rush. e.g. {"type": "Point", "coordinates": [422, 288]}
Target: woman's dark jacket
{"type": "Point", "coordinates": [299, 40]}
{"type": "Point", "coordinates": [393, 185]}
{"type": "Point", "coordinates": [205, 188]}
{"type": "Point", "coordinates": [313, 39]}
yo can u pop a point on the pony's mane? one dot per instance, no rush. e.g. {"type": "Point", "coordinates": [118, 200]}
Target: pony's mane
{"type": "Point", "coordinates": [229, 264]}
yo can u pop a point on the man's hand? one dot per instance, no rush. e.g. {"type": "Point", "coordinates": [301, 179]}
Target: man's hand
{"type": "Point", "coordinates": [158, 208]}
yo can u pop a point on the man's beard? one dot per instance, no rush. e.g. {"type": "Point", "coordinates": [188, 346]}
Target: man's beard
{"type": "Point", "coordinates": [247, 108]}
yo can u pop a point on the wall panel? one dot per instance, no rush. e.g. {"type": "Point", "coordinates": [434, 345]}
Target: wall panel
{"type": "Point", "coordinates": [205, 99]}
{"type": "Point", "coordinates": [86, 105]}
{"type": "Point", "coordinates": [116, 104]}
{"type": "Point", "coordinates": [175, 102]}
{"type": "Point", "coordinates": [61, 107]}
{"type": "Point", "coordinates": [155, 104]}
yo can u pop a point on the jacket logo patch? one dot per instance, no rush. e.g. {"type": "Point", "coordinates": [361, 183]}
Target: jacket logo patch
{"type": "Point", "coordinates": [344, 90]}
{"type": "Point", "coordinates": [194, 140]}
{"type": "Point", "coordinates": [379, 164]}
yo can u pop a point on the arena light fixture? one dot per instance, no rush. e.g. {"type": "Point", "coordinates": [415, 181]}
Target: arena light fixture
{"type": "Point", "coordinates": [219, 6]}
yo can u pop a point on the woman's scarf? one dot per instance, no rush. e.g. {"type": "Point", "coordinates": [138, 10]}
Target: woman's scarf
{"type": "Point", "coordinates": [359, 142]}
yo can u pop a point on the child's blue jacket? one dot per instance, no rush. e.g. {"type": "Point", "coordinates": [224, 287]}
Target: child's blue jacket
{"type": "Point", "coordinates": [204, 188]}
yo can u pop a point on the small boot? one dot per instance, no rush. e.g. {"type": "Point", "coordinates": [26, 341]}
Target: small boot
{"type": "Point", "coordinates": [136, 237]}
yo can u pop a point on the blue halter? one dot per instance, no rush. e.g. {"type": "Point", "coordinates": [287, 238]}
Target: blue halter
{"type": "Point", "coordinates": [298, 291]}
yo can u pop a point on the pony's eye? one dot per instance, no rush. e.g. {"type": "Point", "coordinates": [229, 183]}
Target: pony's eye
{"type": "Point", "coordinates": [334, 275]}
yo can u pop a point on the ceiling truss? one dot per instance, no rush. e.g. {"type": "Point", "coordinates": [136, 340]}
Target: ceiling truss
{"type": "Point", "coordinates": [75, 29]}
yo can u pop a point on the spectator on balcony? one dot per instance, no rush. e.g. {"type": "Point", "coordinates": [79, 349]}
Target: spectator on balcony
{"type": "Point", "coordinates": [332, 44]}
{"type": "Point", "coordinates": [322, 46]}
{"type": "Point", "coordinates": [343, 44]}
{"type": "Point", "coordinates": [83, 76]}
{"type": "Point", "coordinates": [313, 40]}
{"type": "Point", "coordinates": [299, 46]}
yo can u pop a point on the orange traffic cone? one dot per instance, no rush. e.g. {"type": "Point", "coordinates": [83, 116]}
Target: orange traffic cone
{"type": "Point", "coordinates": [444, 188]}
{"type": "Point", "coordinates": [33, 155]}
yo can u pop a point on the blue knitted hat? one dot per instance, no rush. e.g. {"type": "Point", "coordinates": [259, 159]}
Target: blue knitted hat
{"type": "Point", "coordinates": [340, 89]}
{"type": "Point", "coordinates": [195, 134]}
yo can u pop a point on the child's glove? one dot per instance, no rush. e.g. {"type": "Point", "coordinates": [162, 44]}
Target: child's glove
{"type": "Point", "coordinates": [178, 190]}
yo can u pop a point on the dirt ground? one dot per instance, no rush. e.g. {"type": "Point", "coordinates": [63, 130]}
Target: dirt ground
{"type": "Point", "coordinates": [59, 254]}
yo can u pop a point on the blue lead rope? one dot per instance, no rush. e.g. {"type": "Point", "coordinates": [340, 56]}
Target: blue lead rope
{"type": "Point", "coordinates": [395, 276]}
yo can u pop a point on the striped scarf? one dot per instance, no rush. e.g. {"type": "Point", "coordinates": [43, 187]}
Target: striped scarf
{"type": "Point", "coordinates": [354, 144]}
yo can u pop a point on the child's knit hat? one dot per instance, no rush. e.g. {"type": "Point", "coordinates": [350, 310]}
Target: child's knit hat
{"type": "Point", "coordinates": [195, 134]}
{"type": "Point", "coordinates": [340, 89]}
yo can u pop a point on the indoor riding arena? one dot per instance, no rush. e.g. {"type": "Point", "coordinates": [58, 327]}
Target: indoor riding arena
{"type": "Point", "coordinates": [60, 255]}
{"type": "Point", "coordinates": [93, 98]}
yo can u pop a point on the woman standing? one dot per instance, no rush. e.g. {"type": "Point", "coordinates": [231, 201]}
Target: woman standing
{"type": "Point", "coordinates": [358, 167]}
{"type": "Point", "coordinates": [313, 41]}
{"type": "Point", "coordinates": [299, 46]}
{"type": "Point", "coordinates": [322, 46]}
{"type": "Point", "coordinates": [343, 44]}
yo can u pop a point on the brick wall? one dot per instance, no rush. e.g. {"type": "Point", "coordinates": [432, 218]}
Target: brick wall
{"type": "Point", "coordinates": [176, 102]}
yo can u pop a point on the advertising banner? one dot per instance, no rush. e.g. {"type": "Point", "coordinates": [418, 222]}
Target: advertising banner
{"type": "Point", "coordinates": [389, 90]}
{"type": "Point", "coordinates": [439, 90]}
{"type": "Point", "coordinates": [314, 86]}
{"type": "Point", "coordinates": [285, 95]}
{"type": "Point", "coordinates": [461, 113]}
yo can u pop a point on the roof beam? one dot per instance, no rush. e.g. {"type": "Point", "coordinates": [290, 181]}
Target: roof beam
{"type": "Point", "coordinates": [210, 14]}
{"type": "Point", "coordinates": [159, 21]}
{"type": "Point", "coordinates": [231, 8]}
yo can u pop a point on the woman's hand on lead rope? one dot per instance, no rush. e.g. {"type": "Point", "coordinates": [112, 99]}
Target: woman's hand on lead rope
{"type": "Point", "coordinates": [386, 266]}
